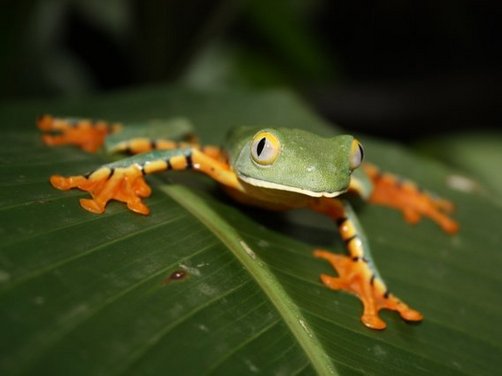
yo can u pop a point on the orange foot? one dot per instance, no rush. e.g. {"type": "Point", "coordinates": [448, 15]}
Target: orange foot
{"type": "Point", "coordinates": [85, 134]}
{"type": "Point", "coordinates": [125, 184]}
{"type": "Point", "coordinates": [356, 277]}
{"type": "Point", "coordinates": [406, 197]}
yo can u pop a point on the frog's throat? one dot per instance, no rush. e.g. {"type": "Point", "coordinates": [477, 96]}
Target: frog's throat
{"type": "Point", "coordinates": [270, 185]}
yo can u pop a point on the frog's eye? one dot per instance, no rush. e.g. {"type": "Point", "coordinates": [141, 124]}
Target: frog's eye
{"type": "Point", "coordinates": [265, 148]}
{"type": "Point", "coordinates": [356, 155]}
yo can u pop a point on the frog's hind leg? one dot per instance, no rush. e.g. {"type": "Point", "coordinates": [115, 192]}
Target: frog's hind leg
{"type": "Point", "coordinates": [356, 272]}
{"type": "Point", "coordinates": [124, 180]}
{"type": "Point", "coordinates": [356, 277]}
{"type": "Point", "coordinates": [405, 196]}
{"type": "Point", "coordinates": [140, 145]}
{"type": "Point", "coordinates": [89, 135]}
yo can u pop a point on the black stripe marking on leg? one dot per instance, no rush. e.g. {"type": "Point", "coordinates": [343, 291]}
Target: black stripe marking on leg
{"type": "Point", "coordinates": [347, 241]}
{"type": "Point", "coordinates": [340, 221]}
{"type": "Point", "coordinates": [188, 158]}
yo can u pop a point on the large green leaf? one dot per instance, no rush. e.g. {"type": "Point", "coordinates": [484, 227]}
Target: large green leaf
{"type": "Point", "coordinates": [88, 294]}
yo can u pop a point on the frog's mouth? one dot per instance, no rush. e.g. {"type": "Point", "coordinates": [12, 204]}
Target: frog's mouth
{"type": "Point", "coordinates": [266, 184]}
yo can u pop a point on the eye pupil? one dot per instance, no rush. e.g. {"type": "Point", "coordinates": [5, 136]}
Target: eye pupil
{"type": "Point", "coordinates": [260, 146]}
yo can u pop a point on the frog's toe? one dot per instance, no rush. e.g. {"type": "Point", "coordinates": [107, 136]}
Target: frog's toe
{"type": "Point", "coordinates": [43, 122]}
{"type": "Point", "coordinates": [52, 140]}
{"type": "Point", "coordinates": [411, 216]}
{"type": "Point", "coordinates": [59, 182]}
{"type": "Point", "coordinates": [444, 205]}
{"type": "Point", "coordinates": [92, 147]}
{"type": "Point", "coordinates": [336, 260]}
{"type": "Point", "coordinates": [138, 207]}
{"type": "Point", "coordinates": [46, 123]}
{"type": "Point", "coordinates": [393, 303]}
{"type": "Point", "coordinates": [141, 188]}
{"type": "Point", "coordinates": [64, 184]}
{"type": "Point", "coordinates": [333, 283]}
{"type": "Point", "coordinates": [410, 314]}
{"type": "Point", "coordinates": [92, 205]}
{"type": "Point", "coordinates": [373, 321]}
{"type": "Point", "coordinates": [438, 215]}
{"type": "Point", "coordinates": [449, 226]}
{"type": "Point", "coordinates": [375, 301]}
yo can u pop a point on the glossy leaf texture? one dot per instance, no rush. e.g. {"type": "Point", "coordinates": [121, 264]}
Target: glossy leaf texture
{"type": "Point", "coordinates": [203, 286]}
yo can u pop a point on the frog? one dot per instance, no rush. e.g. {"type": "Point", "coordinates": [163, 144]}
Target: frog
{"type": "Point", "coordinates": [274, 168]}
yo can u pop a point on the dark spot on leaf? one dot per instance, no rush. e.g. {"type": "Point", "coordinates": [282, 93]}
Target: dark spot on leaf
{"type": "Point", "coordinates": [176, 276]}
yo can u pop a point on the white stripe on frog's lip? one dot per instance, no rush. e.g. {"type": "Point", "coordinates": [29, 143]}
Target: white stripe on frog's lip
{"type": "Point", "coordinates": [270, 185]}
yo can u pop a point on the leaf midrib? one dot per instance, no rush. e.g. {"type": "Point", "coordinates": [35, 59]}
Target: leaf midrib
{"type": "Point", "coordinates": [259, 271]}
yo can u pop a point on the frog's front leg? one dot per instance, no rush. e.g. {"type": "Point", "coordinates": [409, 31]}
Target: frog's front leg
{"type": "Point", "coordinates": [87, 134]}
{"type": "Point", "coordinates": [405, 196]}
{"type": "Point", "coordinates": [124, 180]}
{"type": "Point", "coordinates": [140, 145]}
{"type": "Point", "coordinates": [357, 273]}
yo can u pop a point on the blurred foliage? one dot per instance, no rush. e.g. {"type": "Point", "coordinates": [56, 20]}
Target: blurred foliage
{"type": "Point", "coordinates": [35, 58]}
{"type": "Point", "coordinates": [390, 68]}
{"type": "Point", "coordinates": [70, 47]}
{"type": "Point", "coordinates": [75, 46]}
{"type": "Point", "coordinates": [273, 44]}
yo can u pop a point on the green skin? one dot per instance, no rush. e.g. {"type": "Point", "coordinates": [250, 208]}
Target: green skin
{"type": "Point", "coordinates": [307, 162]}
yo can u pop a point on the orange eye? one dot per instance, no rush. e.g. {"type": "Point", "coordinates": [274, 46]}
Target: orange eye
{"type": "Point", "coordinates": [265, 148]}
{"type": "Point", "coordinates": [356, 155]}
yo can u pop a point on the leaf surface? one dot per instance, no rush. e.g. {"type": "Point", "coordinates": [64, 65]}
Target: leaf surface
{"type": "Point", "coordinates": [87, 294]}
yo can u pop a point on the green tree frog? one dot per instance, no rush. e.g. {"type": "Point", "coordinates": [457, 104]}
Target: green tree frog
{"type": "Point", "coordinates": [273, 168]}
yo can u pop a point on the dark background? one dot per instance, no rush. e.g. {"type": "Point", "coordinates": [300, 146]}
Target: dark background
{"type": "Point", "coordinates": [392, 68]}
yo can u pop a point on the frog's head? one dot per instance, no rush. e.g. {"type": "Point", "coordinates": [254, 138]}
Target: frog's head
{"type": "Point", "coordinates": [295, 160]}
